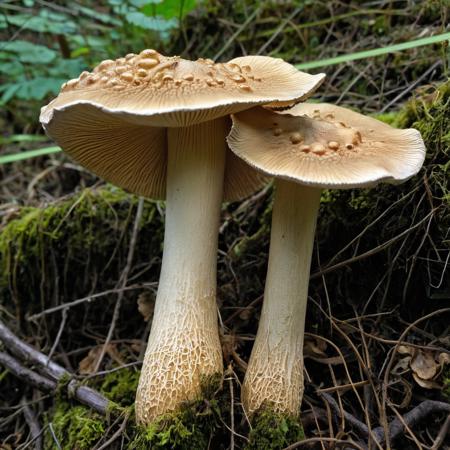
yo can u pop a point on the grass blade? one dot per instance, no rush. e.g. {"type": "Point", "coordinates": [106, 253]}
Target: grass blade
{"type": "Point", "coordinates": [29, 154]}
{"type": "Point", "coordinates": [374, 52]}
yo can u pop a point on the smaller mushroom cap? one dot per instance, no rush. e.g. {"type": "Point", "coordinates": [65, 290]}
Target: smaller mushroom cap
{"type": "Point", "coordinates": [326, 146]}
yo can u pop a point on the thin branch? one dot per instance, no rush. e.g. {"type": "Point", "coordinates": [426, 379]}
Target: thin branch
{"type": "Point", "coordinates": [88, 299]}
{"type": "Point", "coordinates": [372, 251]}
{"type": "Point", "coordinates": [33, 424]}
{"type": "Point", "coordinates": [442, 433]}
{"type": "Point", "coordinates": [360, 426]}
{"type": "Point", "coordinates": [412, 418]}
{"type": "Point", "coordinates": [27, 353]}
{"type": "Point", "coordinates": [25, 374]}
{"type": "Point", "coordinates": [309, 441]}
{"type": "Point", "coordinates": [55, 372]}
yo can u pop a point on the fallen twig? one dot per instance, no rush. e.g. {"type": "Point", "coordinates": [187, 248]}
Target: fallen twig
{"type": "Point", "coordinates": [411, 418]}
{"type": "Point", "coordinates": [55, 372]}
{"type": "Point", "coordinates": [33, 424]}
{"type": "Point", "coordinates": [442, 433]}
{"type": "Point", "coordinates": [357, 424]}
{"type": "Point", "coordinates": [88, 299]}
{"type": "Point", "coordinates": [397, 426]}
{"type": "Point", "coordinates": [315, 440]}
{"type": "Point", "coordinates": [22, 372]}
{"type": "Point", "coordinates": [27, 353]}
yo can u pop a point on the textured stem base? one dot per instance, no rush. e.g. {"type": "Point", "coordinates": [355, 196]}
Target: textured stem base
{"type": "Point", "coordinates": [184, 346]}
{"type": "Point", "coordinates": [274, 377]}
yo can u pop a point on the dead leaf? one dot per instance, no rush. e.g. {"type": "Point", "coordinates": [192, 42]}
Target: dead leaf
{"type": "Point", "coordinates": [87, 365]}
{"type": "Point", "coordinates": [314, 347]}
{"type": "Point", "coordinates": [402, 366]}
{"type": "Point", "coordinates": [444, 358]}
{"type": "Point", "coordinates": [424, 365]}
{"type": "Point", "coordinates": [137, 345]}
{"type": "Point", "coordinates": [427, 384]}
{"type": "Point", "coordinates": [406, 350]}
{"type": "Point", "coordinates": [114, 354]}
{"type": "Point", "coordinates": [146, 305]}
{"type": "Point", "coordinates": [246, 314]}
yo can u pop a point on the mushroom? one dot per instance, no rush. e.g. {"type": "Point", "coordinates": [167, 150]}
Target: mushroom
{"type": "Point", "coordinates": [307, 149]}
{"type": "Point", "coordinates": [156, 126]}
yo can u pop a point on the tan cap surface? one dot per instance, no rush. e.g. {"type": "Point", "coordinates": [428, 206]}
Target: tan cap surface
{"type": "Point", "coordinates": [326, 146]}
{"type": "Point", "coordinates": [113, 120]}
{"type": "Point", "coordinates": [176, 92]}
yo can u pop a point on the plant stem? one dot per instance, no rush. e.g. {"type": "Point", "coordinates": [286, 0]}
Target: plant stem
{"type": "Point", "coordinates": [184, 345]}
{"type": "Point", "coordinates": [274, 377]}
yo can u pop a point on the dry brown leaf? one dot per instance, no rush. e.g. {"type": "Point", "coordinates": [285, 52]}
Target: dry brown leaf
{"type": "Point", "coordinates": [424, 365]}
{"type": "Point", "coordinates": [444, 358]}
{"type": "Point", "coordinates": [406, 350]}
{"type": "Point", "coordinates": [246, 313]}
{"type": "Point", "coordinates": [114, 354]}
{"type": "Point", "coordinates": [314, 347]}
{"type": "Point", "coordinates": [427, 384]}
{"type": "Point", "coordinates": [87, 365]}
{"type": "Point", "coordinates": [136, 346]}
{"type": "Point", "coordinates": [402, 366]}
{"type": "Point", "coordinates": [146, 305]}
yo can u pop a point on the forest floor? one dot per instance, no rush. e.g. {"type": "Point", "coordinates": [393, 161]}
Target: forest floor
{"type": "Point", "coordinates": [377, 346]}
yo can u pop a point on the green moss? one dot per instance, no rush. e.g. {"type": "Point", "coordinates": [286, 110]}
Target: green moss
{"type": "Point", "coordinates": [429, 113]}
{"type": "Point", "coordinates": [120, 386]}
{"type": "Point", "coordinates": [446, 382]}
{"type": "Point", "coordinates": [190, 428]}
{"type": "Point", "coordinates": [273, 431]}
{"type": "Point", "coordinates": [75, 427]}
{"type": "Point", "coordinates": [73, 246]}
{"type": "Point", "coordinates": [181, 431]}
{"type": "Point", "coordinates": [390, 118]}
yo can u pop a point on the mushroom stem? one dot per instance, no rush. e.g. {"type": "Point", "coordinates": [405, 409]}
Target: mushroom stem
{"type": "Point", "coordinates": [274, 377]}
{"type": "Point", "coordinates": [184, 345]}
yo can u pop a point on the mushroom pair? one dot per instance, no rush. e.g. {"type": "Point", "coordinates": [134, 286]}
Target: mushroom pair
{"type": "Point", "coordinates": [156, 126]}
{"type": "Point", "coordinates": [306, 148]}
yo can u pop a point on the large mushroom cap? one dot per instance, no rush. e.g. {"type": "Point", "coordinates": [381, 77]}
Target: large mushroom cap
{"type": "Point", "coordinates": [326, 146]}
{"type": "Point", "coordinates": [113, 120]}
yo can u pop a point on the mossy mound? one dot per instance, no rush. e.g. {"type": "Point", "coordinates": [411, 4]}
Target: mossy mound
{"type": "Point", "coordinates": [74, 246]}
{"type": "Point", "coordinates": [74, 428]}
{"type": "Point", "coordinates": [274, 431]}
{"type": "Point", "coordinates": [77, 427]}
{"type": "Point", "coordinates": [120, 386]}
{"type": "Point", "coordinates": [191, 428]}
{"type": "Point", "coordinates": [198, 424]}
